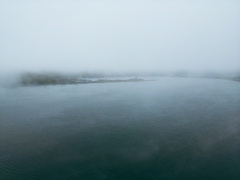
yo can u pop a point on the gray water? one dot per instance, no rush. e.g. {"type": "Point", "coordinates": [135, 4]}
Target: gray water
{"type": "Point", "coordinates": [172, 128]}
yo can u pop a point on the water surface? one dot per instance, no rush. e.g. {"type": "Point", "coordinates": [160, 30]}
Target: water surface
{"type": "Point", "coordinates": [172, 128]}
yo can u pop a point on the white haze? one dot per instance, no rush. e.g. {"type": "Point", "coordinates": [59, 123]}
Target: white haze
{"type": "Point", "coordinates": [119, 35]}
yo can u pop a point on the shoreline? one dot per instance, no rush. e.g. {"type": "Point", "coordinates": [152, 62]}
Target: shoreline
{"type": "Point", "coordinates": [45, 79]}
{"type": "Point", "coordinates": [81, 81]}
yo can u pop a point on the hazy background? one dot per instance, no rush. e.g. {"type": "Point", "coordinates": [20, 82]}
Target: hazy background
{"type": "Point", "coordinates": [119, 35]}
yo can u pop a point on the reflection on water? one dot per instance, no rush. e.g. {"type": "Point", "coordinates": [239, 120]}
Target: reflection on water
{"type": "Point", "coordinates": [173, 128]}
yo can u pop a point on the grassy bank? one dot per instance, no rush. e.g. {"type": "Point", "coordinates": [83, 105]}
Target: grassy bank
{"type": "Point", "coordinates": [31, 79]}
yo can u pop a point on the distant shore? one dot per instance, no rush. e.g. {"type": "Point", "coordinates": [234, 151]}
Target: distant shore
{"type": "Point", "coordinates": [51, 78]}
{"type": "Point", "coordinates": [57, 79]}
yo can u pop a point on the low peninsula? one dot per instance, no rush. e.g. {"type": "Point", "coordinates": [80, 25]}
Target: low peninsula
{"type": "Point", "coordinates": [34, 79]}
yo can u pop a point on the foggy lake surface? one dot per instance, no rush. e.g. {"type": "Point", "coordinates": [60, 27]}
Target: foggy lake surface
{"type": "Point", "coordinates": [168, 129]}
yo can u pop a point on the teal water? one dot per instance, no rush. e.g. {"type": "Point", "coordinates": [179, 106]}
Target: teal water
{"type": "Point", "coordinates": [169, 129]}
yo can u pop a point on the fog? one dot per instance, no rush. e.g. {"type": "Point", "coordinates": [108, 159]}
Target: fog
{"type": "Point", "coordinates": [115, 36]}
{"type": "Point", "coordinates": [120, 89]}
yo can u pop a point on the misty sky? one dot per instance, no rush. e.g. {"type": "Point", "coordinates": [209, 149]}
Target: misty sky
{"type": "Point", "coordinates": [119, 35]}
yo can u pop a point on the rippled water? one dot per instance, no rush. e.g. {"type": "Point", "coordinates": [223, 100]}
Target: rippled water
{"type": "Point", "coordinates": [172, 128]}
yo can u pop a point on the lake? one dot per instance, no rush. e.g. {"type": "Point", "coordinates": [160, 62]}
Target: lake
{"type": "Point", "coordinates": [168, 129]}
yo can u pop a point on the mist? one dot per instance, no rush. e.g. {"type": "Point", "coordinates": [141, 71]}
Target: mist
{"type": "Point", "coordinates": [120, 89]}
{"type": "Point", "coordinates": [119, 36]}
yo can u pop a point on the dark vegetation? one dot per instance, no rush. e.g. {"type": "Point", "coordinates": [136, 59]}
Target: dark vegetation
{"type": "Point", "coordinates": [43, 79]}
{"type": "Point", "coordinates": [28, 79]}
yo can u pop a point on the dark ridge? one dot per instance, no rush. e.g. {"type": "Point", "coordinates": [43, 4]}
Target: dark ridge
{"type": "Point", "coordinates": [34, 79]}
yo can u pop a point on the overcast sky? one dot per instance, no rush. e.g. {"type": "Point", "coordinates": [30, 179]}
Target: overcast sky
{"type": "Point", "coordinates": [120, 35]}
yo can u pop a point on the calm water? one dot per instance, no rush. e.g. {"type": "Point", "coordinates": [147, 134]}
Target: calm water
{"type": "Point", "coordinates": [172, 128]}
